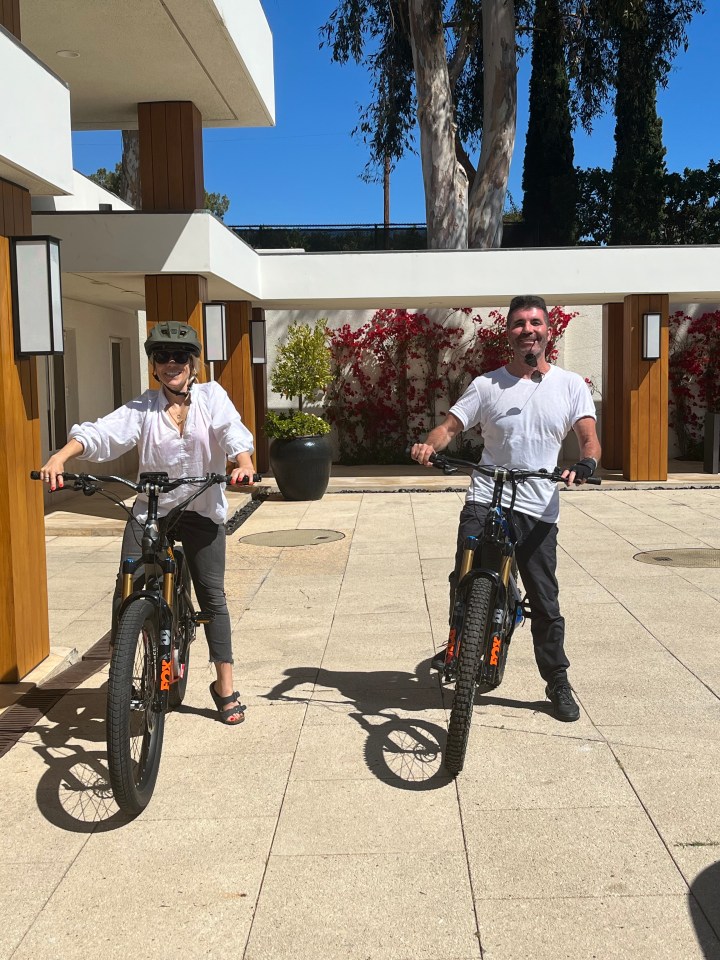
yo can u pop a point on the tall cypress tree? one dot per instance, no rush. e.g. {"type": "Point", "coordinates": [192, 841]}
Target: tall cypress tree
{"type": "Point", "coordinates": [638, 171]}
{"type": "Point", "coordinates": [549, 180]}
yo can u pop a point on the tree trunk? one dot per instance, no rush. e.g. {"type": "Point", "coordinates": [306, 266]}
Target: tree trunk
{"type": "Point", "coordinates": [445, 181]}
{"type": "Point", "coordinates": [130, 170]}
{"type": "Point", "coordinates": [487, 196]}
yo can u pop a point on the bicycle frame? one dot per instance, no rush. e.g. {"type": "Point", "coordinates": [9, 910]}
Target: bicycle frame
{"type": "Point", "coordinates": [489, 557]}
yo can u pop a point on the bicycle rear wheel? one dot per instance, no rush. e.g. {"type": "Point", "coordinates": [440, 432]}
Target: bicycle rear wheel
{"type": "Point", "coordinates": [185, 632]}
{"type": "Point", "coordinates": [474, 631]}
{"type": "Point", "coordinates": [134, 729]}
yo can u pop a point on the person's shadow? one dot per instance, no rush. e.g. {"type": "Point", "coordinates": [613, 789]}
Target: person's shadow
{"type": "Point", "coordinates": [405, 751]}
{"type": "Point", "coordinates": [704, 902]}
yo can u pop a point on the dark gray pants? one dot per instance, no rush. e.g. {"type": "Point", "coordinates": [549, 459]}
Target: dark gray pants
{"type": "Point", "coordinates": [536, 555]}
{"type": "Point", "coordinates": [204, 543]}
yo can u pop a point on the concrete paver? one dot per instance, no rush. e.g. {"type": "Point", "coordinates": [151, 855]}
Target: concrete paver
{"type": "Point", "coordinates": [326, 825]}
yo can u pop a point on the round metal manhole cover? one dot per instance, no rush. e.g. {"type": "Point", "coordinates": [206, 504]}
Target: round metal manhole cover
{"type": "Point", "coordinates": [292, 538]}
{"type": "Point", "coordinates": [688, 557]}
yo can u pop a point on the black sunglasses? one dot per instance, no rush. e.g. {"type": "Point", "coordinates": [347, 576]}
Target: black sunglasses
{"type": "Point", "coordinates": [171, 356]}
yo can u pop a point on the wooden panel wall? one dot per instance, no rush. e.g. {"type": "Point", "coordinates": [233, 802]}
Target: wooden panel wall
{"type": "Point", "coordinates": [645, 393]}
{"type": "Point", "coordinates": [10, 16]}
{"type": "Point", "coordinates": [176, 297]}
{"type": "Point", "coordinates": [236, 374]}
{"type": "Point", "coordinates": [24, 629]}
{"type": "Point", "coordinates": [171, 159]}
{"type": "Point", "coordinates": [612, 386]}
{"type": "Point", "coordinates": [15, 216]}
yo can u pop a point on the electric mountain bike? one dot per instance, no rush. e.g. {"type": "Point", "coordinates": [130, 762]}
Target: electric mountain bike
{"type": "Point", "coordinates": [487, 604]}
{"type": "Point", "coordinates": [156, 626]}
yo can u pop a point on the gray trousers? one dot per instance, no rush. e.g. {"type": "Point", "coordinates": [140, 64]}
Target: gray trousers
{"type": "Point", "coordinates": [204, 543]}
{"type": "Point", "coordinates": [536, 555]}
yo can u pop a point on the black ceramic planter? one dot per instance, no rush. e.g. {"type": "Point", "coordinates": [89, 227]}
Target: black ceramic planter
{"type": "Point", "coordinates": [301, 466]}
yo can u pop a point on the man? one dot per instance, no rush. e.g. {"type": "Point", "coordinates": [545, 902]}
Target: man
{"type": "Point", "coordinates": [525, 410]}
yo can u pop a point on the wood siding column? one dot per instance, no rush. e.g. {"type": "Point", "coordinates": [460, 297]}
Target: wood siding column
{"type": "Point", "coordinates": [176, 297]}
{"type": "Point", "coordinates": [236, 373]}
{"type": "Point", "coordinates": [612, 386]}
{"type": "Point", "coordinates": [171, 157]}
{"type": "Point", "coordinates": [10, 16]}
{"type": "Point", "coordinates": [171, 180]}
{"type": "Point", "coordinates": [645, 392]}
{"type": "Point", "coordinates": [24, 628]}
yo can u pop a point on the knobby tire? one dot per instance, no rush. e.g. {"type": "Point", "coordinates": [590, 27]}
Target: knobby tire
{"type": "Point", "coordinates": [134, 729]}
{"type": "Point", "coordinates": [474, 631]}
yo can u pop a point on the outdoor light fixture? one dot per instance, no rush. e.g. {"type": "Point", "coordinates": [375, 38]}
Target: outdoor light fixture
{"type": "Point", "coordinates": [651, 336]}
{"type": "Point", "coordinates": [215, 339]}
{"type": "Point", "coordinates": [37, 295]}
{"type": "Point", "coordinates": [257, 341]}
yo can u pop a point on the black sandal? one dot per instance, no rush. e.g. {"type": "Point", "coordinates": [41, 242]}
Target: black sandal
{"type": "Point", "coordinates": [222, 706]}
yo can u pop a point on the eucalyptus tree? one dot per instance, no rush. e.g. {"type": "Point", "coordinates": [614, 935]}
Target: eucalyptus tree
{"type": "Point", "coordinates": [450, 66]}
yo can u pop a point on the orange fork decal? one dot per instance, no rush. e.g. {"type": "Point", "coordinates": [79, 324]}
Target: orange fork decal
{"type": "Point", "coordinates": [451, 645]}
{"type": "Point", "coordinates": [494, 653]}
{"type": "Point", "coordinates": [165, 674]}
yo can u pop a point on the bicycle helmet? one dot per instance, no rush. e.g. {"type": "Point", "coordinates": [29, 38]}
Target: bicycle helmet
{"type": "Point", "coordinates": [172, 333]}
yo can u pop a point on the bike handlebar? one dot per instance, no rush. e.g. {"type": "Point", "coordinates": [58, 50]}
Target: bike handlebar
{"type": "Point", "coordinates": [450, 464]}
{"type": "Point", "coordinates": [140, 486]}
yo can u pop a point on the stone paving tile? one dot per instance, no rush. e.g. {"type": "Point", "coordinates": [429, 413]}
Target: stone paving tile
{"type": "Point", "coordinates": [621, 928]}
{"type": "Point", "coordinates": [582, 852]}
{"type": "Point", "coordinates": [404, 907]}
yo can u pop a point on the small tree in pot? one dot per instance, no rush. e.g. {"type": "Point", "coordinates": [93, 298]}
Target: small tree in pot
{"type": "Point", "coordinates": [300, 452]}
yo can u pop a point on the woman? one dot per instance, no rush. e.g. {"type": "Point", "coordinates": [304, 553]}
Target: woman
{"type": "Point", "coordinates": [186, 429]}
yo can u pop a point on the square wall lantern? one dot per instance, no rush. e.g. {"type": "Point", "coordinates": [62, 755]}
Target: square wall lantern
{"type": "Point", "coordinates": [257, 341]}
{"type": "Point", "coordinates": [215, 338]}
{"type": "Point", "coordinates": [651, 336]}
{"type": "Point", "coordinates": [37, 296]}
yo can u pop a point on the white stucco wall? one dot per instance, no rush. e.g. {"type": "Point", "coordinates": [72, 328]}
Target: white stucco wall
{"type": "Point", "coordinates": [35, 137]}
{"type": "Point", "coordinates": [86, 195]}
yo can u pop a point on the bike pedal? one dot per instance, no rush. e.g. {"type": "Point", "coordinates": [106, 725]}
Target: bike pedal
{"type": "Point", "coordinates": [200, 618]}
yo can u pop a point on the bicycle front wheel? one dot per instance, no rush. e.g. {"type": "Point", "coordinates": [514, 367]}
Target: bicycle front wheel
{"type": "Point", "coordinates": [474, 630]}
{"type": "Point", "coordinates": [134, 729]}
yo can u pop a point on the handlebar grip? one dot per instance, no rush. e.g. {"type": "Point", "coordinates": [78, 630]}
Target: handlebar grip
{"type": "Point", "coordinates": [594, 480]}
{"type": "Point", "coordinates": [34, 474]}
{"type": "Point", "coordinates": [244, 482]}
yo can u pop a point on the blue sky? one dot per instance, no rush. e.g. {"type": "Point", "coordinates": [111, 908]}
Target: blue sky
{"type": "Point", "coordinates": [307, 168]}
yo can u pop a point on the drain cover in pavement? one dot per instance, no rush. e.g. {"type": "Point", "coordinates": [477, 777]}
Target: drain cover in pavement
{"type": "Point", "coordinates": [689, 557]}
{"type": "Point", "coordinates": [292, 538]}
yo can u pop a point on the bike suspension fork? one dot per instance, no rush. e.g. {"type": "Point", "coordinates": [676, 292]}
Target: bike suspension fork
{"type": "Point", "coordinates": [165, 654]}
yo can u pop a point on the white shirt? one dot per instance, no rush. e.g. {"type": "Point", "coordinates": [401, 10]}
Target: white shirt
{"type": "Point", "coordinates": [213, 432]}
{"type": "Point", "coordinates": [523, 426]}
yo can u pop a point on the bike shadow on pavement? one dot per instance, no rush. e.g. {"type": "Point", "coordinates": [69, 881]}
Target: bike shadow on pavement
{"type": "Point", "coordinates": [74, 791]}
{"type": "Point", "coordinates": [704, 904]}
{"type": "Point", "coordinates": [401, 747]}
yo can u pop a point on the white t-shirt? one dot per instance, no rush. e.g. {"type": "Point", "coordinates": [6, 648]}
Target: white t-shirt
{"type": "Point", "coordinates": [523, 425]}
{"type": "Point", "coordinates": [213, 432]}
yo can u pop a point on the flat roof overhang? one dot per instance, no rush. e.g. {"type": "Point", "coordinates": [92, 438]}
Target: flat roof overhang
{"type": "Point", "coordinates": [105, 257]}
{"type": "Point", "coordinates": [574, 276]}
{"type": "Point", "coordinates": [216, 53]}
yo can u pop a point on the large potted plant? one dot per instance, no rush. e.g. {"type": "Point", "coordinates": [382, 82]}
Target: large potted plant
{"type": "Point", "coordinates": [300, 451]}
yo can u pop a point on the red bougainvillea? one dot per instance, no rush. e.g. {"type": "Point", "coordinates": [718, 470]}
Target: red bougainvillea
{"type": "Point", "coordinates": [694, 377]}
{"type": "Point", "coordinates": [397, 374]}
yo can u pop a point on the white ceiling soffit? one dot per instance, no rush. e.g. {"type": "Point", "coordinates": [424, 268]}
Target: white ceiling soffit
{"type": "Point", "coordinates": [216, 53]}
